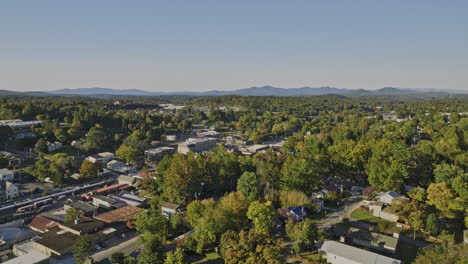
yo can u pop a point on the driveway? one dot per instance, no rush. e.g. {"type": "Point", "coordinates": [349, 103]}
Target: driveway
{"type": "Point", "coordinates": [334, 218]}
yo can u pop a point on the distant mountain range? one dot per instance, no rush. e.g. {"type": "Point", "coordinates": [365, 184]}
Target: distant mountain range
{"type": "Point", "coordinates": [253, 91]}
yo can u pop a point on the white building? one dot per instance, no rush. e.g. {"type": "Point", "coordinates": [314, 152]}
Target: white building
{"type": "Point", "coordinates": [51, 147]}
{"type": "Point", "coordinates": [196, 145]}
{"type": "Point", "coordinates": [10, 190]}
{"type": "Point", "coordinates": [6, 175]}
{"type": "Point", "coordinates": [102, 158]}
{"type": "Point", "coordinates": [339, 253]}
{"type": "Point", "coordinates": [387, 197]}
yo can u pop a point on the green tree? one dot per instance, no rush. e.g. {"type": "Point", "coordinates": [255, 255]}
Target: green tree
{"type": "Point", "coordinates": [117, 258]}
{"type": "Point", "coordinates": [152, 224]}
{"type": "Point", "coordinates": [446, 172]}
{"type": "Point", "coordinates": [152, 253]}
{"type": "Point", "coordinates": [96, 140]}
{"type": "Point", "coordinates": [41, 146]}
{"type": "Point", "coordinates": [261, 215]}
{"type": "Point", "coordinates": [441, 253]}
{"type": "Point", "coordinates": [176, 257]}
{"type": "Point", "coordinates": [248, 185]}
{"type": "Point", "coordinates": [388, 165]}
{"type": "Point", "coordinates": [181, 178]}
{"type": "Point", "coordinates": [3, 161]}
{"type": "Point", "coordinates": [82, 249]}
{"type": "Point", "coordinates": [300, 175]}
{"type": "Point", "coordinates": [71, 215]}
{"type": "Point", "coordinates": [443, 198]}
{"type": "Point", "coordinates": [127, 153]}
{"type": "Point", "coordinates": [418, 193]}
{"type": "Point", "coordinates": [432, 225]}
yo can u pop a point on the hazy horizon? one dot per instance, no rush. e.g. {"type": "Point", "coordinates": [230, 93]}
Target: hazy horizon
{"type": "Point", "coordinates": [212, 45]}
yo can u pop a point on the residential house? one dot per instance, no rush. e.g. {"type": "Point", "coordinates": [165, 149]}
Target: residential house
{"type": "Point", "coordinates": [102, 158]}
{"type": "Point", "coordinates": [12, 158]}
{"type": "Point", "coordinates": [372, 240]}
{"type": "Point", "coordinates": [318, 204]}
{"type": "Point", "coordinates": [51, 147]}
{"type": "Point", "coordinates": [8, 190]}
{"type": "Point", "coordinates": [169, 209]}
{"type": "Point", "coordinates": [381, 210]}
{"type": "Point", "coordinates": [6, 175]}
{"type": "Point", "coordinates": [387, 197]}
{"type": "Point", "coordinates": [339, 253]}
{"type": "Point", "coordinates": [296, 213]}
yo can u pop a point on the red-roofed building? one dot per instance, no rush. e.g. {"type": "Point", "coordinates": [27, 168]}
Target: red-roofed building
{"type": "Point", "coordinates": [42, 224]}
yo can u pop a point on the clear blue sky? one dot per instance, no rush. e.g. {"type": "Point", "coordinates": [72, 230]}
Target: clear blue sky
{"type": "Point", "coordinates": [203, 45]}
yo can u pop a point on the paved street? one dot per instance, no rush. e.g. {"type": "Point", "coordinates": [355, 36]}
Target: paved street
{"type": "Point", "coordinates": [352, 204]}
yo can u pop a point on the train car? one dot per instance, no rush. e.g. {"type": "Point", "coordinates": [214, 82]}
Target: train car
{"type": "Point", "coordinates": [26, 208]}
{"type": "Point", "coordinates": [41, 203]}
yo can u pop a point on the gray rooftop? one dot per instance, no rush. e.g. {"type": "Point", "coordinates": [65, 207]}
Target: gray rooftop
{"type": "Point", "coordinates": [356, 254]}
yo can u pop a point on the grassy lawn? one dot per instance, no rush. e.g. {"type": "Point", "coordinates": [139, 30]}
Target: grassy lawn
{"type": "Point", "coordinates": [406, 252]}
{"type": "Point", "coordinates": [210, 258]}
{"type": "Point", "coordinates": [364, 215]}
{"type": "Point", "coordinates": [311, 256]}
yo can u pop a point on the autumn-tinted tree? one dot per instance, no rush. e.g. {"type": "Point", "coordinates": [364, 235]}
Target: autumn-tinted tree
{"type": "Point", "coordinates": [88, 170]}
{"type": "Point", "coordinates": [261, 215]}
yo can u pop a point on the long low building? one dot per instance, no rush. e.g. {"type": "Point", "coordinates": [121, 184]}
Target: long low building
{"type": "Point", "coordinates": [339, 253]}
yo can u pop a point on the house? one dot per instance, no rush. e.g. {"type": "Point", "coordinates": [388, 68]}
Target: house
{"type": "Point", "coordinates": [6, 175]}
{"type": "Point", "coordinates": [51, 147]}
{"type": "Point", "coordinates": [387, 197]}
{"type": "Point", "coordinates": [339, 253]}
{"type": "Point", "coordinates": [371, 240]}
{"type": "Point", "coordinates": [145, 175]}
{"type": "Point", "coordinates": [121, 214]}
{"type": "Point", "coordinates": [168, 209]}
{"type": "Point", "coordinates": [320, 194]}
{"type": "Point", "coordinates": [8, 190]}
{"type": "Point", "coordinates": [379, 209]}
{"type": "Point", "coordinates": [318, 204]}
{"type": "Point", "coordinates": [196, 145]}
{"type": "Point", "coordinates": [41, 224]}
{"type": "Point", "coordinates": [124, 179]}
{"type": "Point", "coordinates": [12, 158]}
{"type": "Point", "coordinates": [101, 158]}
{"type": "Point", "coordinates": [156, 154]}
{"type": "Point", "coordinates": [298, 213]}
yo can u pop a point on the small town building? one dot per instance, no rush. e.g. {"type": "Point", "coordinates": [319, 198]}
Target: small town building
{"type": "Point", "coordinates": [371, 240]}
{"type": "Point", "coordinates": [6, 175]}
{"type": "Point", "coordinates": [122, 214]}
{"type": "Point", "coordinates": [124, 179]}
{"type": "Point", "coordinates": [169, 209]}
{"type": "Point", "coordinates": [339, 253]}
{"type": "Point", "coordinates": [8, 190]}
{"type": "Point", "coordinates": [381, 210]}
{"type": "Point", "coordinates": [156, 154]}
{"type": "Point", "coordinates": [104, 202]}
{"type": "Point", "coordinates": [85, 208]}
{"type": "Point", "coordinates": [196, 145]}
{"type": "Point", "coordinates": [387, 197]}
{"type": "Point", "coordinates": [42, 224]}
